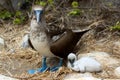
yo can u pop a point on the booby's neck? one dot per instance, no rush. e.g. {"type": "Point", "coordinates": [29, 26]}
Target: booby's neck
{"type": "Point", "coordinates": [38, 26]}
{"type": "Point", "coordinates": [38, 30]}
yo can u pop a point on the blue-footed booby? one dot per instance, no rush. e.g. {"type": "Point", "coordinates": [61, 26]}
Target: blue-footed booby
{"type": "Point", "coordinates": [40, 38]}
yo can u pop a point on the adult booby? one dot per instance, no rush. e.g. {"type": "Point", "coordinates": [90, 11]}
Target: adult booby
{"type": "Point", "coordinates": [84, 64]}
{"type": "Point", "coordinates": [41, 40]}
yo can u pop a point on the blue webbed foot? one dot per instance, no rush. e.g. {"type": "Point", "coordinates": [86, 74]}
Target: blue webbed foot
{"type": "Point", "coordinates": [43, 69]}
{"type": "Point", "coordinates": [55, 68]}
{"type": "Point", "coordinates": [32, 71]}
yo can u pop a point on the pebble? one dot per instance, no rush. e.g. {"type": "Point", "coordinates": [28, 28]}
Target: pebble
{"type": "Point", "coordinates": [12, 51]}
{"type": "Point", "coordinates": [2, 77]}
{"type": "Point", "coordinates": [25, 43]}
{"type": "Point", "coordinates": [103, 57]}
{"type": "Point", "coordinates": [80, 76]}
{"type": "Point", "coordinates": [117, 72]}
{"type": "Point", "coordinates": [2, 44]}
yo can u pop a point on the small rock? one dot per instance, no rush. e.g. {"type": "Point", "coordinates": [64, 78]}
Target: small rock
{"type": "Point", "coordinates": [116, 48]}
{"type": "Point", "coordinates": [95, 54]}
{"type": "Point", "coordinates": [25, 43]}
{"type": "Point", "coordinates": [104, 58]}
{"type": "Point", "coordinates": [117, 72]}
{"type": "Point", "coordinates": [12, 51]}
{"type": "Point", "coordinates": [2, 77]}
{"type": "Point", "coordinates": [2, 44]}
{"type": "Point", "coordinates": [78, 76]}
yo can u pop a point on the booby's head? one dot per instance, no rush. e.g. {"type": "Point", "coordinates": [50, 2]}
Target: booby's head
{"type": "Point", "coordinates": [71, 59]}
{"type": "Point", "coordinates": [37, 12]}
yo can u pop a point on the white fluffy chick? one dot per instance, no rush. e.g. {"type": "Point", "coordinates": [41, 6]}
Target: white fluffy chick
{"type": "Point", "coordinates": [84, 64]}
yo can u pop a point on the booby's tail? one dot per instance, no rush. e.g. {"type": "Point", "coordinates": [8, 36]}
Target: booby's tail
{"type": "Point", "coordinates": [79, 31]}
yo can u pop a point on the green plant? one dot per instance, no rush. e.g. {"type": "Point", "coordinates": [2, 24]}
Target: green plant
{"type": "Point", "coordinates": [19, 18]}
{"type": "Point", "coordinates": [42, 3]}
{"type": "Point", "coordinates": [109, 4]}
{"type": "Point", "coordinates": [116, 26]}
{"type": "Point", "coordinates": [50, 2]}
{"type": "Point", "coordinates": [75, 4]}
{"type": "Point", "coordinates": [5, 14]}
{"type": "Point", "coordinates": [75, 10]}
{"type": "Point", "coordinates": [17, 21]}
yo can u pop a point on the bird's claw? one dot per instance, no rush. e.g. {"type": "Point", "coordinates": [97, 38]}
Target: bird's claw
{"type": "Point", "coordinates": [43, 69]}
{"type": "Point", "coordinates": [55, 68]}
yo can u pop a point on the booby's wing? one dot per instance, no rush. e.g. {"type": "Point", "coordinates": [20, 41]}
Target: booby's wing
{"type": "Point", "coordinates": [66, 43]}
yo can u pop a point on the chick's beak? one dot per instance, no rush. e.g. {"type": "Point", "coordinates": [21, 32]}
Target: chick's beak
{"type": "Point", "coordinates": [71, 62]}
{"type": "Point", "coordinates": [38, 15]}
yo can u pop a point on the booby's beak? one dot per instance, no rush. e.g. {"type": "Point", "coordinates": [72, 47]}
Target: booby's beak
{"type": "Point", "coordinates": [38, 15]}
